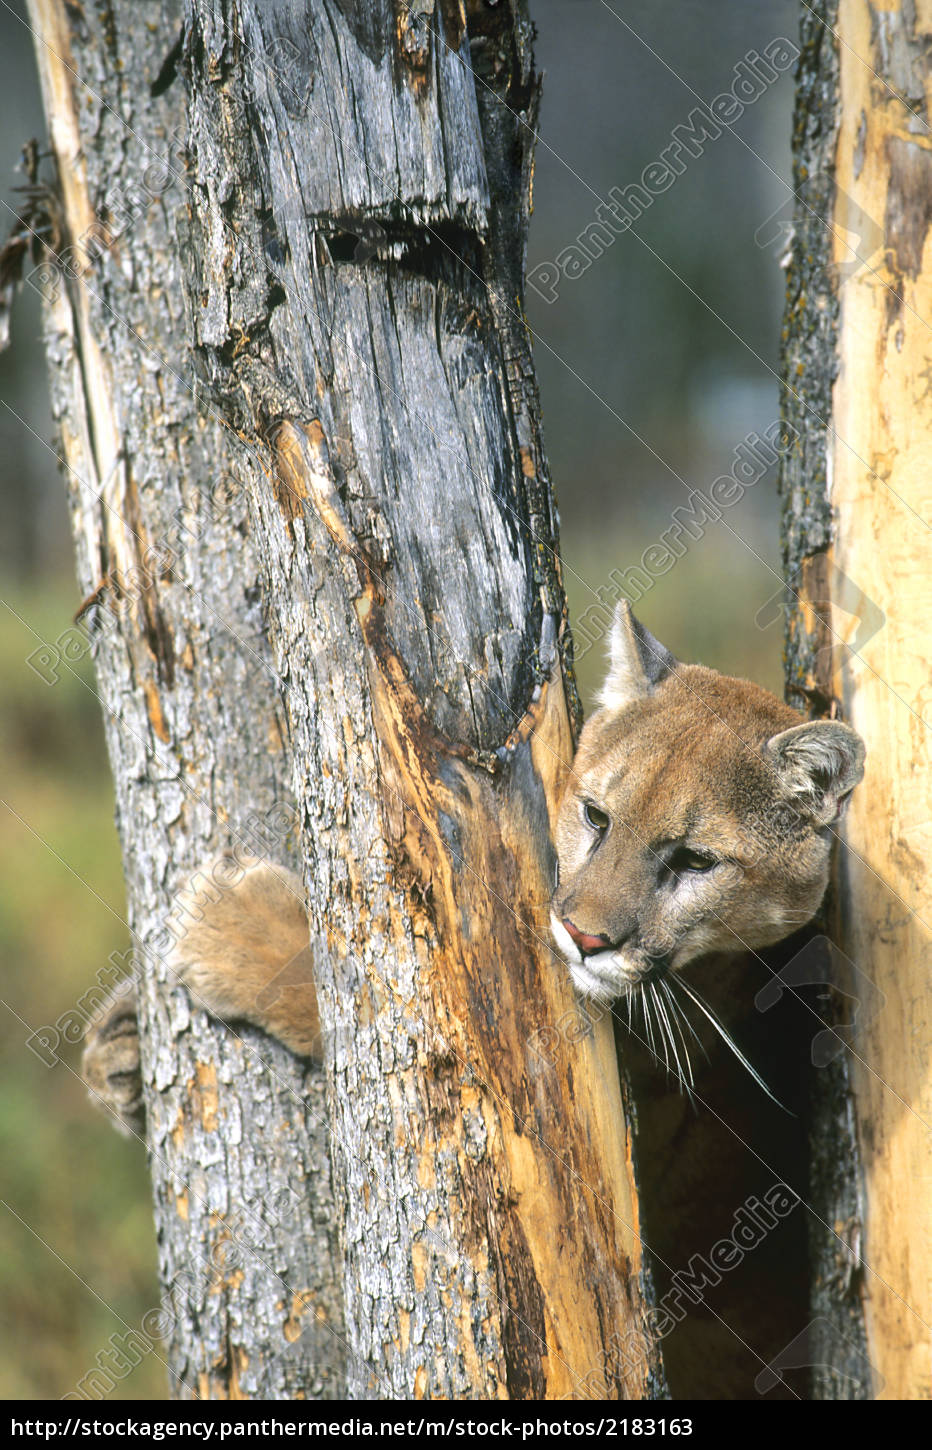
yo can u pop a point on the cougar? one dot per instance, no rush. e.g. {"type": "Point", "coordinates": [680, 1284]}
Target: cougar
{"type": "Point", "coordinates": [698, 817]}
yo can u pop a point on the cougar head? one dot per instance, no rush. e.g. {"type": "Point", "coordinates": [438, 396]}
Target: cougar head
{"type": "Point", "coordinates": [697, 818]}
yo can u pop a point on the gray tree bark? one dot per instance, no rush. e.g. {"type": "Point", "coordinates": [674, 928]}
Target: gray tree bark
{"type": "Point", "coordinates": [238, 1129]}
{"type": "Point", "coordinates": [347, 230]}
{"type": "Point", "coordinates": [856, 535]}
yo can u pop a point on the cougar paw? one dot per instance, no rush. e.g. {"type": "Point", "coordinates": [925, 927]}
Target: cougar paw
{"type": "Point", "coordinates": [245, 954]}
{"type": "Point", "coordinates": [110, 1063]}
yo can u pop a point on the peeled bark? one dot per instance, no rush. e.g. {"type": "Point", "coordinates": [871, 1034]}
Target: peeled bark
{"type": "Point", "coordinates": [858, 352]}
{"type": "Point", "coordinates": [349, 239]}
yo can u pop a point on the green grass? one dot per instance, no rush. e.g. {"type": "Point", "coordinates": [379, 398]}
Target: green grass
{"type": "Point", "coordinates": [80, 1266]}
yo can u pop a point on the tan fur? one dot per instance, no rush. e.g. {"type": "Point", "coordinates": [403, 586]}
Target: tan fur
{"type": "Point", "coordinates": [247, 956]}
{"type": "Point", "coordinates": [244, 956]}
{"type": "Point", "coordinates": [110, 1061]}
{"type": "Point", "coordinates": [682, 758]}
{"type": "Point", "coordinates": [678, 757]}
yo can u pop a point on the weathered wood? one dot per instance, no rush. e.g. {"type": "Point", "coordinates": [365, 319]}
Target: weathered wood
{"type": "Point", "coordinates": [347, 231]}
{"type": "Point", "coordinates": [238, 1130]}
{"type": "Point", "coordinates": [490, 1216]}
{"type": "Point", "coordinates": [858, 357]}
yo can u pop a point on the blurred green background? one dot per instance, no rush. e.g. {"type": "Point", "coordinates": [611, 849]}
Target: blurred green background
{"type": "Point", "coordinates": [653, 365]}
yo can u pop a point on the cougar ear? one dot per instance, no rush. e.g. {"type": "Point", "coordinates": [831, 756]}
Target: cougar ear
{"type": "Point", "coordinates": [637, 661]}
{"type": "Point", "coordinates": [819, 763]}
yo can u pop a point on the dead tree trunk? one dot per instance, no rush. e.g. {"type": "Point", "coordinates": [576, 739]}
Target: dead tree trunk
{"type": "Point", "coordinates": [858, 513]}
{"type": "Point", "coordinates": [347, 229]}
{"type": "Point", "coordinates": [238, 1131]}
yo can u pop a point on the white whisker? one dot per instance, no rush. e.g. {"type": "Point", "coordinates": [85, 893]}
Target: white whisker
{"type": "Point", "coordinates": [679, 1015]}
{"type": "Point", "coordinates": [676, 1013]}
{"type": "Point", "coordinates": [661, 1032]}
{"type": "Point", "coordinates": [729, 1041]}
{"type": "Point", "coordinates": [662, 1009]}
{"type": "Point", "coordinates": [682, 1011]}
{"type": "Point", "coordinates": [642, 998]}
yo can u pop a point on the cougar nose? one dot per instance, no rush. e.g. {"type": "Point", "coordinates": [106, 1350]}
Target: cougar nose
{"type": "Point", "coordinates": [587, 944]}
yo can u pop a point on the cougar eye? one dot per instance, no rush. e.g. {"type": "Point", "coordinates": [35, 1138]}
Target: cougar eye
{"type": "Point", "coordinates": [595, 818]}
{"type": "Point", "coordinates": [683, 859]}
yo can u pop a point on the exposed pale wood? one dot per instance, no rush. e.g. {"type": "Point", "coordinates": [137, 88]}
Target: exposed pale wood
{"type": "Point", "coordinates": [868, 514]}
{"type": "Point", "coordinates": [882, 408]}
